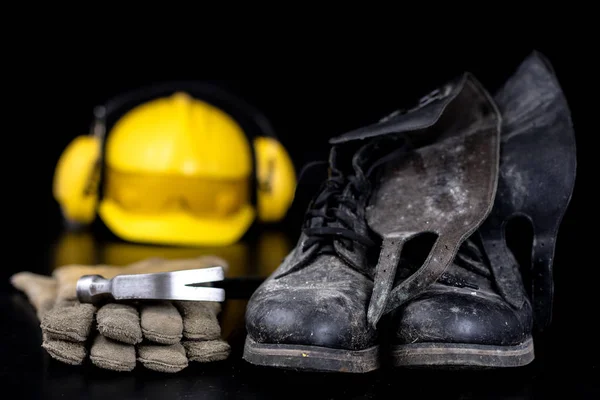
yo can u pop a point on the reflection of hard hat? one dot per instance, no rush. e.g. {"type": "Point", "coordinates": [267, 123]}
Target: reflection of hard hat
{"type": "Point", "coordinates": [177, 170]}
{"type": "Point", "coordinates": [177, 167]}
{"type": "Point", "coordinates": [257, 259]}
{"type": "Point", "coordinates": [75, 248]}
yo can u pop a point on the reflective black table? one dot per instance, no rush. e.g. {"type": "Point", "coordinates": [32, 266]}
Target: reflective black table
{"type": "Point", "coordinates": [566, 362]}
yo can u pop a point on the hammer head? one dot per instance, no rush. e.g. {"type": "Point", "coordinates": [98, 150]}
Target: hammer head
{"type": "Point", "coordinates": [189, 285]}
{"type": "Point", "coordinates": [93, 289]}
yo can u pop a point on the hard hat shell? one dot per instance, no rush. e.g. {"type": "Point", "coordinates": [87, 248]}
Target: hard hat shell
{"type": "Point", "coordinates": [179, 145]}
{"type": "Point", "coordinates": [179, 135]}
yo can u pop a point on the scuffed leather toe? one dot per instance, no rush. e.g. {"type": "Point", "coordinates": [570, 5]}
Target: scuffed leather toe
{"type": "Point", "coordinates": [458, 317]}
{"type": "Point", "coordinates": [313, 317]}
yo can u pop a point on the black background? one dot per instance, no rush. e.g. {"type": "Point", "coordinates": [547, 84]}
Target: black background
{"type": "Point", "coordinates": [308, 102]}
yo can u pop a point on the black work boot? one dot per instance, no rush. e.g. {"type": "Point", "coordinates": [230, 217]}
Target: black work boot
{"type": "Point", "coordinates": [311, 313]}
{"type": "Point", "coordinates": [480, 314]}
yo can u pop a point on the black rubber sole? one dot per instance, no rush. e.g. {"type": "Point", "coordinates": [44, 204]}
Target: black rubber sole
{"type": "Point", "coordinates": [311, 358]}
{"type": "Point", "coordinates": [450, 355]}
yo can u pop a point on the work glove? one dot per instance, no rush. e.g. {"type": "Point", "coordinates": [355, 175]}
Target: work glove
{"type": "Point", "coordinates": [162, 335]}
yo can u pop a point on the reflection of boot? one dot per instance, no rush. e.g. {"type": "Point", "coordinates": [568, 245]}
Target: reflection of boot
{"type": "Point", "coordinates": [232, 322]}
{"type": "Point", "coordinates": [311, 313]}
{"type": "Point", "coordinates": [480, 314]}
{"type": "Point", "coordinates": [271, 248]}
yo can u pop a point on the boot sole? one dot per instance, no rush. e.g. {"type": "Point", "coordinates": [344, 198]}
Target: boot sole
{"type": "Point", "coordinates": [451, 355]}
{"type": "Point", "coordinates": [311, 358]}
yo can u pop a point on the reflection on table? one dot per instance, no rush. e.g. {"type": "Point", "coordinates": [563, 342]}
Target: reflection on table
{"type": "Point", "coordinates": [256, 258]}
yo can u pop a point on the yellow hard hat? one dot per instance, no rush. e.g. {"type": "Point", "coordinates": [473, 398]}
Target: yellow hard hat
{"type": "Point", "coordinates": [177, 170]}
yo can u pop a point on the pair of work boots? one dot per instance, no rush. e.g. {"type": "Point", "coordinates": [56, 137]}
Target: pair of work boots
{"type": "Point", "coordinates": [405, 243]}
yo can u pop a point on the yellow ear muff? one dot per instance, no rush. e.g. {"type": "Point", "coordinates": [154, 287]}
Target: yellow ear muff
{"type": "Point", "coordinates": [276, 179]}
{"type": "Point", "coordinates": [76, 179]}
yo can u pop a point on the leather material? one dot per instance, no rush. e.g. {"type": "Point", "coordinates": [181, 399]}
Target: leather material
{"type": "Point", "coordinates": [323, 304]}
{"type": "Point", "coordinates": [482, 298]}
{"type": "Point", "coordinates": [319, 295]}
{"type": "Point", "coordinates": [463, 307]}
{"type": "Point", "coordinates": [331, 292]}
{"type": "Point", "coordinates": [459, 317]}
{"type": "Point", "coordinates": [537, 176]}
{"type": "Point", "coordinates": [446, 188]}
{"type": "Point", "coordinates": [425, 114]}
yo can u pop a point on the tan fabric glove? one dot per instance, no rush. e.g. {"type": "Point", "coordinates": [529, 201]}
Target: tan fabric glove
{"type": "Point", "coordinates": [162, 336]}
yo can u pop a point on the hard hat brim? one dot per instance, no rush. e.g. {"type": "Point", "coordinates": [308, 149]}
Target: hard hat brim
{"type": "Point", "coordinates": [175, 228]}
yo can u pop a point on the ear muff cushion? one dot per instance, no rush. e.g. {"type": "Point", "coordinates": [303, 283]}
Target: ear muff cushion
{"type": "Point", "coordinates": [76, 180]}
{"type": "Point", "coordinates": [276, 179]}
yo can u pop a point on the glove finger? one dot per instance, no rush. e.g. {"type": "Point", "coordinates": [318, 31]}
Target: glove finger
{"type": "Point", "coordinates": [120, 322]}
{"type": "Point", "coordinates": [162, 358]}
{"type": "Point", "coordinates": [110, 354]}
{"type": "Point", "coordinates": [207, 350]}
{"type": "Point", "coordinates": [68, 320]}
{"type": "Point", "coordinates": [39, 289]}
{"type": "Point", "coordinates": [67, 352]}
{"type": "Point", "coordinates": [161, 323]}
{"type": "Point", "coordinates": [199, 320]}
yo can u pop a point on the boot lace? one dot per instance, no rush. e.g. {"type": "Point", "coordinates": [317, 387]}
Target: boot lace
{"type": "Point", "coordinates": [339, 207]}
{"type": "Point", "coordinates": [336, 215]}
{"type": "Point", "coordinates": [335, 211]}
